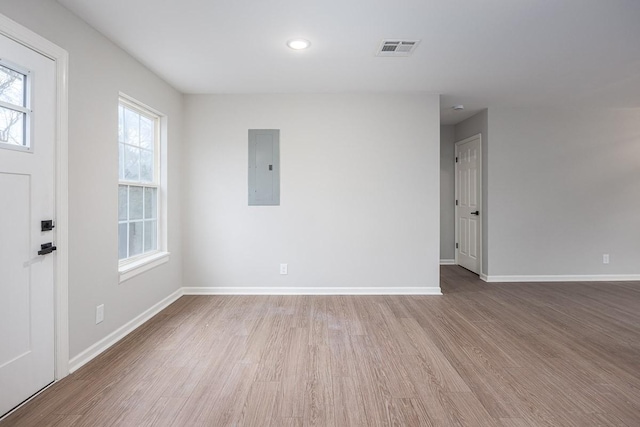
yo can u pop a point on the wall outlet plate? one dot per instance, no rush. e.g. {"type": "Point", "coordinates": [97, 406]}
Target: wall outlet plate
{"type": "Point", "coordinates": [99, 313]}
{"type": "Point", "coordinates": [284, 269]}
{"type": "Point", "coordinates": [605, 258]}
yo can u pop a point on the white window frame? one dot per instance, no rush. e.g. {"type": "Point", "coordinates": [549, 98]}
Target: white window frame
{"type": "Point", "coordinates": [133, 266]}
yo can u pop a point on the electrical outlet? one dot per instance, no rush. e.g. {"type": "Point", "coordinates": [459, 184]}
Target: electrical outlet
{"type": "Point", "coordinates": [99, 313]}
{"type": "Point", "coordinates": [284, 269]}
{"type": "Point", "coordinates": [605, 258]}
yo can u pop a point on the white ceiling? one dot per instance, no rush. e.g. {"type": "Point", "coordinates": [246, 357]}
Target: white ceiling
{"type": "Point", "coordinates": [477, 53]}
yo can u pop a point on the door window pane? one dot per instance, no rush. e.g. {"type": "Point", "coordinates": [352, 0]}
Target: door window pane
{"type": "Point", "coordinates": [12, 87]}
{"type": "Point", "coordinates": [12, 127]}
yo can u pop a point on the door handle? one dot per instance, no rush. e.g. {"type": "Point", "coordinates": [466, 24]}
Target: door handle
{"type": "Point", "coordinates": [475, 213]}
{"type": "Point", "coordinates": [46, 248]}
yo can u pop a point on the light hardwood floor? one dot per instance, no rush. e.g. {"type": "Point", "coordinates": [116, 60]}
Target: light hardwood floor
{"type": "Point", "coordinates": [546, 354]}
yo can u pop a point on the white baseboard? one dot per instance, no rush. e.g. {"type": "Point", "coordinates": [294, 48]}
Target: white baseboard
{"type": "Point", "coordinates": [102, 345]}
{"type": "Point", "coordinates": [447, 262]}
{"type": "Point", "coordinates": [564, 278]}
{"type": "Point", "coordinates": [96, 349]}
{"type": "Point", "coordinates": [417, 290]}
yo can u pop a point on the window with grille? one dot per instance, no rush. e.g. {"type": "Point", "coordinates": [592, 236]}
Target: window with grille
{"type": "Point", "coordinates": [139, 181]}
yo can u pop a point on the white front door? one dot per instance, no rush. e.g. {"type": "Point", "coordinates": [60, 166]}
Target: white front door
{"type": "Point", "coordinates": [27, 139]}
{"type": "Point", "coordinates": [468, 203]}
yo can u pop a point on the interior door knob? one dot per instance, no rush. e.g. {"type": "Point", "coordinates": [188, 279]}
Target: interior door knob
{"type": "Point", "coordinates": [475, 213]}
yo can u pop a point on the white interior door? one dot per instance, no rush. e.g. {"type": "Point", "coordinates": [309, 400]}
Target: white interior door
{"type": "Point", "coordinates": [27, 140]}
{"type": "Point", "coordinates": [468, 203]}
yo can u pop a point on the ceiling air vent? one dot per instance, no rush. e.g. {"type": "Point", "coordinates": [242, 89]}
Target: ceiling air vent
{"type": "Point", "coordinates": [397, 47]}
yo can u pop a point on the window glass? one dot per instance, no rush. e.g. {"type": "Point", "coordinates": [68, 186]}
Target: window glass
{"type": "Point", "coordinates": [146, 166]}
{"type": "Point", "coordinates": [12, 130]}
{"type": "Point", "coordinates": [131, 163]}
{"type": "Point", "coordinates": [12, 87]}
{"type": "Point", "coordinates": [123, 242]}
{"type": "Point", "coordinates": [123, 202]}
{"type": "Point", "coordinates": [146, 133]}
{"type": "Point", "coordinates": [131, 127]}
{"type": "Point", "coordinates": [150, 235]}
{"type": "Point", "coordinates": [14, 114]}
{"type": "Point", "coordinates": [135, 202]}
{"type": "Point", "coordinates": [150, 209]}
{"type": "Point", "coordinates": [135, 238]}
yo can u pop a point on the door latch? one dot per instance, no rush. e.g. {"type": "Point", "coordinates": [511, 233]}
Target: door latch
{"type": "Point", "coordinates": [46, 248]}
{"type": "Point", "coordinates": [47, 225]}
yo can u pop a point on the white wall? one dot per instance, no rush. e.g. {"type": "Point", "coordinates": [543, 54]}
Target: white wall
{"type": "Point", "coordinates": [98, 71]}
{"type": "Point", "coordinates": [447, 192]}
{"type": "Point", "coordinates": [564, 187]}
{"type": "Point", "coordinates": [359, 192]}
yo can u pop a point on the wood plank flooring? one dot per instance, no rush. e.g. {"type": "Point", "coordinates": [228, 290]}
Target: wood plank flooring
{"type": "Point", "coordinates": [546, 354]}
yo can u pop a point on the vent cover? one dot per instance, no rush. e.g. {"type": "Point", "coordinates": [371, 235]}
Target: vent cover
{"type": "Point", "coordinates": [397, 47]}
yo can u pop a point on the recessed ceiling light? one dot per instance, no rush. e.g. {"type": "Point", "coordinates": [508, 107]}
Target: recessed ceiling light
{"type": "Point", "coordinates": [298, 44]}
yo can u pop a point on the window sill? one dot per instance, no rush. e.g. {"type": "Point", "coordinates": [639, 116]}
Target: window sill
{"type": "Point", "coordinates": [139, 266]}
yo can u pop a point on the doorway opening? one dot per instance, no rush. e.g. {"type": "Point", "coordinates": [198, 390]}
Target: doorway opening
{"type": "Point", "coordinates": [468, 203]}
